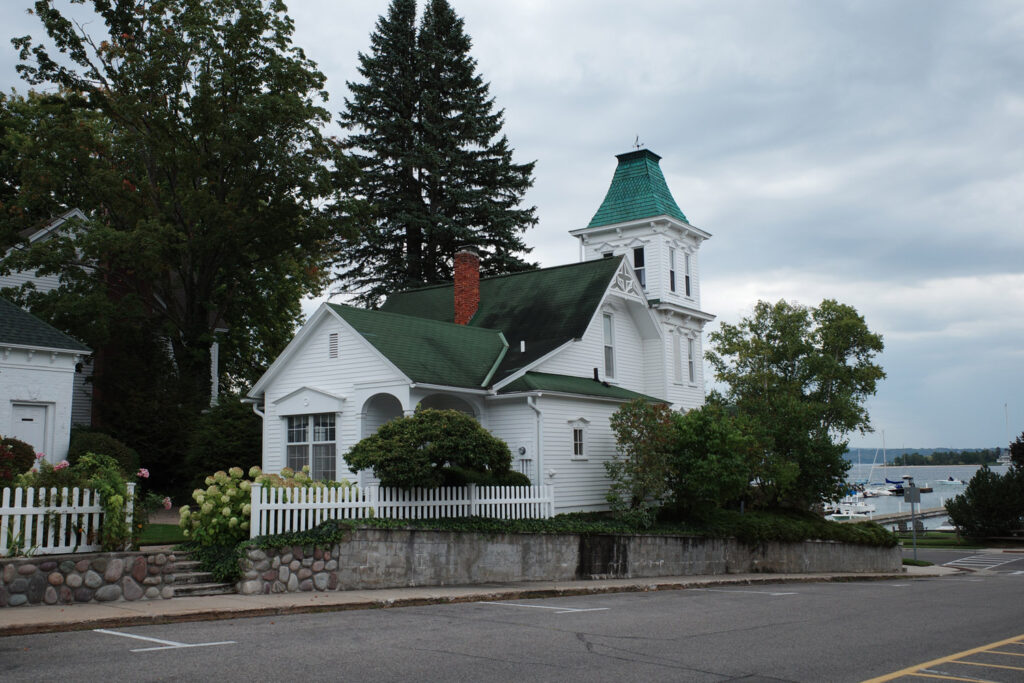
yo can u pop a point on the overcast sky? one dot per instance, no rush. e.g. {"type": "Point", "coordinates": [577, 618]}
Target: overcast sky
{"type": "Point", "coordinates": [871, 152]}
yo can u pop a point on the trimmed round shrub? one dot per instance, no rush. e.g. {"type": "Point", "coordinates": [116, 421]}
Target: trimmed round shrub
{"type": "Point", "coordinates": [416, 451]}
{"type": "Point", "coordinates": [460, 476]}
{"type": "Point", "coordinates": [228, 435]}
{"type": "Point", "coordinates": [83, 442]}
{"type": "Point", "coordinates": [23, 456]}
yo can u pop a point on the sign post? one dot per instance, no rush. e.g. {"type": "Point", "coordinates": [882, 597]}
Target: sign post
{"type": "Point", "coordinates": [912, 494]}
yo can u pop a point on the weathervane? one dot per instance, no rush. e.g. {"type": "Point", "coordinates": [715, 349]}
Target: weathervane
{"type": "Point", "coordinates": [637, 144]}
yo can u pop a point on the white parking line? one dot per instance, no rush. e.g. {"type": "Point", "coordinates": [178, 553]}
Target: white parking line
{"type": "Point", "coordinates": [722, 590]}
{"type": "Point", "coordinates": [558, 610]}
{"type": "Point", "coordinates": [167, 644]}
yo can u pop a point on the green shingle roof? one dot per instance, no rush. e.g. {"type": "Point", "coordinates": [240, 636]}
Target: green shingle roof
{"type": "Point", "coordinates": [566, 384]}
{"type": "Point", "coordinates": [429, 351]}
{"type": "Point", "coordinates": [24, 329]}
{"type": "Point", "coordinates": [638, 190]}
{"type": "Point", "coordinates": [544, 308]}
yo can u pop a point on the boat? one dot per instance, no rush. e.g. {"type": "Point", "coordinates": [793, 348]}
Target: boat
{"type": "Point", "coordinates": [951, 482]}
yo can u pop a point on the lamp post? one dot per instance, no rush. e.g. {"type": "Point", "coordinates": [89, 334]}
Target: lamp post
{"type": "Point", "coordinates": [912, 494]}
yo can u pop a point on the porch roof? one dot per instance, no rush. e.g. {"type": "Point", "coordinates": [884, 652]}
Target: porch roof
{"type": "Point", "coordinates": [568, 384]}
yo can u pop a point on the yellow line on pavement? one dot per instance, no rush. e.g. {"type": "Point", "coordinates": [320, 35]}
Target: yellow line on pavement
{"type": "Point", "coordinates": [913, 670]}
{"type": "Point", "coordinates": [994, 666]}
{"type": "Point", "coordinates": [917, 674]}
{"type": "Point", "coordinates": [1011, 654]}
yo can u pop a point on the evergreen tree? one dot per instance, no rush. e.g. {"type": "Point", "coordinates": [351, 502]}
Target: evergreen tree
{"type": "Point", "coordinates": [435, 166]}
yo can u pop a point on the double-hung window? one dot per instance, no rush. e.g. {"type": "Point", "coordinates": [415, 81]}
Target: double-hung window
{"type": "Point", "coordinates": [609, 345]}
{"type": "Point", "coordinates": [638, 266]}
{"type": "Point", "coordinates": [686, 274]}
{"type": "Point", "coordinates": [672, 270]}
{"type": "Point", "coordinates": [690, 360]}
{"type": "Point", "coordinates": [677, 356]}
{"type": "Point", "coordinates": [312, 442]}
{"type": "Point", "coordinates": [579, 438]}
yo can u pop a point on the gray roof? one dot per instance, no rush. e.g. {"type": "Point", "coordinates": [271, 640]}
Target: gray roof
{"type": "Point", "coordinates": [21, 328]}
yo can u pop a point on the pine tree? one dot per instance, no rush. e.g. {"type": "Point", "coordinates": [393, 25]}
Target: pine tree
{"type": "Point", "coordinates": [435, 165]}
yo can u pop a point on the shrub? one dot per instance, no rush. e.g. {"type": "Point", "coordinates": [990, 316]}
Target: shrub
{"type": "Point", "coordinates": [227, 435]}
{"type": "Point", "coordinates": [710, 461]}
{"type": "Point", "coordinates": [991, 505]}
{"type": "Point", "coordinates": [458, 476]}
{"type": "Point", "coordinates": [639, 471]}
{"type": "Point", "coordinates": [222, 512]}
{"type": "Point", "coordinates": [6, 464]}
{"type": "Point", "coordinates": [418, 451]}
{"type": "Point", "coordinates": [23, 456]}
{"type": "Point", "coordinates": [85, 441]}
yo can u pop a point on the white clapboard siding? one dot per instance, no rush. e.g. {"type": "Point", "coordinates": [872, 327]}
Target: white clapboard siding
{"type": "Point", "coordinates": [277, 510]}
{"type": "Point", "coordinates": [51, 521]}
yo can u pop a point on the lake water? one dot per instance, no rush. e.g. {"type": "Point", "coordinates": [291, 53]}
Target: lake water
{"type": "Point", "coordinates": [923, 476]}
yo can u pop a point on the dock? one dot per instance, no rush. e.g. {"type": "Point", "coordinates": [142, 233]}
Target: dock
{"type": "Point", "coordinates": [896, 517]}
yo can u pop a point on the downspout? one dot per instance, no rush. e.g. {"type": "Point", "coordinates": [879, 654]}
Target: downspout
{"type": "Point", "coordinates": [256, 409]}
{"type": "Point", "coordinates": [532, 402]}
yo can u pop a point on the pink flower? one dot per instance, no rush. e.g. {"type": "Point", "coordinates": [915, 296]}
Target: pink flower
{"type": "Point", "coordinates": [40, 456]}
{"type": "Point", "coordinates": [143, 473]}
{"type": "Point", "coordinates": [167, 503]}
{"type": "Point", "coordinates": [61, 465]}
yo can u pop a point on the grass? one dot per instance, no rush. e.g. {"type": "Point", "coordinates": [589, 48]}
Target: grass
{"type": "Point", "coordinates": [161, 534]}
{"type": "Point", "coordinates": [917, 563]}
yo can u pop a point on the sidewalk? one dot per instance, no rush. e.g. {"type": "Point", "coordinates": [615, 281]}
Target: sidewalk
{"type": "Point", "coordinates": [50, 618]}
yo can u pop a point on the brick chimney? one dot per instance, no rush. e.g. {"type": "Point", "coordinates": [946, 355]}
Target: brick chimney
{"type": "Point", "coordinates": [467, 284]}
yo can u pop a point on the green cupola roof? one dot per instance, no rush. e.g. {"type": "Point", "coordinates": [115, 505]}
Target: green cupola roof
{"type": "Point", "coordinates": [638, 190]}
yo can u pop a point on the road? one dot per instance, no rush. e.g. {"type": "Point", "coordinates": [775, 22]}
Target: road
{"type": "Point", "coordinates": [814, 632]}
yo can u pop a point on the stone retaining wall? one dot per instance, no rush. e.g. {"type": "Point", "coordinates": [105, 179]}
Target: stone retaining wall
{"type": "Point", "coordinates": [392, 558]}
{"type": "Point", "coordinates": [86, 577]}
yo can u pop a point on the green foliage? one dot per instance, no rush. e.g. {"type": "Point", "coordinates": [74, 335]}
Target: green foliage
{"type": "Point", "coordinates": [221, 515]}
{"type": "Point", "coordinates": [984, 456]}
{"type": "Point", "coordinates": [22, 455]}
{"type": "Point", "coordinates": [190, 133]}
{"type": "Point", "coordinates": [435, 166]}
{"type": "Point", "coordinates": [7, 467]}
{"type": "Point", "coordinates": [640, 470]}
{"type": "Point", "coordinates": [991, 505]}
{"type": "Point", "coordinates": [228, 434]}
{"type": "Point", "coordinates": [711, 462]}
{"type": "Point", "coordinates": [460, 476]}
{"type": "Point", "coordinates": [87, 441]}
{"type": "Point", "coordinates": [222, 561]}
{"type": "Point", "coordinates": [416, 451]}
{"type": "Point", "coordinates": [222, 512]}
{"type": "Point", "coordinates": [100, 473]}
{"type": "Point", "coordinates": [1017, 452]}
{"type": "Point", "coordinates": [799, 378]}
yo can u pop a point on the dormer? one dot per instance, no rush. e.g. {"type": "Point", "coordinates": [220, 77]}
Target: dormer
{"type": "Point", "coordinates": [639, 218]}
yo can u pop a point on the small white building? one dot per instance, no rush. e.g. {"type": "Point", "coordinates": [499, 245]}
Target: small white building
{"type": "Point", "coordinates": [37, 372]}
{"type": "Point", "coordinates": [541, 358]}
{"type": "Point", "coordinates": [81, 404]}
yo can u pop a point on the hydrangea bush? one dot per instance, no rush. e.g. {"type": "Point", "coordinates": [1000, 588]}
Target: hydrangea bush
{"type": "Point", "coordinates": [222, 511]}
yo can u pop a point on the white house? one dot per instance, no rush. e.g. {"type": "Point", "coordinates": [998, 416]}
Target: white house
{"type": "Point", "coordinates": [37, 372]}
{"type": "Point", "coordinates": [81, 404]}
{"type": "Point", "coordinates": [541, 358]}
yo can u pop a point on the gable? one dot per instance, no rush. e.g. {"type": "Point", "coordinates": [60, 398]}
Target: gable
{"type": "Point", "coordinates": [21, 328]}
{"type": "Point", "coordinates": [308, 400]}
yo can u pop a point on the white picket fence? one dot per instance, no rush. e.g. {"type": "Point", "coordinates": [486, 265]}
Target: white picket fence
{"type": "Point", "coordinates": [51, 521]}
{"type": "Point", "coordinates": [281, 510]}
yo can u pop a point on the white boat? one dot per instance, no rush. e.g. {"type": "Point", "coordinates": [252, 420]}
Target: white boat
{"type": "Point", "coordinates": [849, 516]}
{"type": "Point", "coordinates": [950, 482]}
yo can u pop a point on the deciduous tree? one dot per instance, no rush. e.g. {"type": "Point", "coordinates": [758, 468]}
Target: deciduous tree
{"type": "Point", "coordinates": [800, 377]}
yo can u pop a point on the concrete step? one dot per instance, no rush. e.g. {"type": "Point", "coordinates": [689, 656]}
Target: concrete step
{"type": "Point", "coordinates": [186, 565]}
{"type": "Point", "coordinates": [199, 589]}
{"type": "Point", "coordinates": [185, 578]}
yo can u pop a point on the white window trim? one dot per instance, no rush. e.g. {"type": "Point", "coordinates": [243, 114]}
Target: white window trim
{"type": "Point", "coordinates": [309, 442]}
{"type": "Point", "coordinates": [687, 281]}
{"type": "Point", "coordinates": [677, 356]}
{"type": "Point", "coordinates": [641, 271]}
{"type": "Point", "coordinates": [691, 358]}
{"type": "Point", "coordinates": [608, 342]}
{"type": "Point", "coordinates": [671, 269]}
{"type": "Point", "coordinates": [580, 424]}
